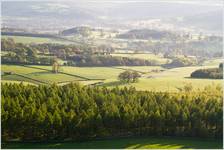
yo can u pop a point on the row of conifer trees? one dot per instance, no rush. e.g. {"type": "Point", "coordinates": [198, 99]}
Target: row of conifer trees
{"type": "Point", "coordinates": [50, 112]}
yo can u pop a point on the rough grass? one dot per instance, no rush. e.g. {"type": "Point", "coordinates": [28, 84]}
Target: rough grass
{"type": "Point", "coordinates": [126, 143]}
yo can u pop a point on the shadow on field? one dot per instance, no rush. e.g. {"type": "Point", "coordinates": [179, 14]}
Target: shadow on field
{"type": "Point", "coordinates": [121, 143]}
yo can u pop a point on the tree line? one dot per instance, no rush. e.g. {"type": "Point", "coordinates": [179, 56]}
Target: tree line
{"type": "Point", "coordinates": [210, 47]}
{"type": "Point", "coordinates": [108, 60]}
{"type": "Point", "coordinates": [75, 112]}
{"type": "Point", "coordinates": [44, 54]}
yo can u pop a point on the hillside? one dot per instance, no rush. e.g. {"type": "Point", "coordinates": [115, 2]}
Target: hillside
{"type": "Point", "coordinates": [147, 34]}
{"type": "Point", "coordinates": [82, 30]}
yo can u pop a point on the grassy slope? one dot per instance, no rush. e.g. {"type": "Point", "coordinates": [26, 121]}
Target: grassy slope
{"type": "Point", "coordinates": [213, 62]}
{"type": "Point", "coordinates": [143, 69]}
{"type": "Point", "coordinates": [158, 58]}
{"type": "Point", "coordinates": [94, 72]}
{"type": "Point", "coordinates": [131, 143]}
{"type": "Point", "coordinates": [90, 72]}
{"type": "Point", "coordinates": [168, 80]}
{"type": "Point", "coordinates": [15, 78]}
{"type": "Point", "coordinates": [25, 39]}
{"type": "Point", "coordinates": [37, 74]}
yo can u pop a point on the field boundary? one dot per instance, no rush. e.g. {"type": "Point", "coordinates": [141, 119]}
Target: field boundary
{"type": "Point", "coordinates": [43, 82]}
{"type": "Point", "coordinates": [85, 78]}
{"type": "Point", "coordinates": [58, 72]}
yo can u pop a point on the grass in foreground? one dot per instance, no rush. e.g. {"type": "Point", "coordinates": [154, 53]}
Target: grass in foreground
{"type": "Point", "coordinates": [129, 143]}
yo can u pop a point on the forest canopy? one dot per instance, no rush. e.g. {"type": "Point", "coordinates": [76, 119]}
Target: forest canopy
{"type": "Point", "coordinates": [50, 112]}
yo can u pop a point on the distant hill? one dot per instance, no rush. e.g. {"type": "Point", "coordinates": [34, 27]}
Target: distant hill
{"type": "Point", "coordinates": [147, 34]}
{"type": "Point", "coordinates": [84, 31]}
{"type": "Point", "coordinates": [58, 15]}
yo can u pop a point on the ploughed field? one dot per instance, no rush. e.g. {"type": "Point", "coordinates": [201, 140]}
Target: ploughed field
{"type": "Point", "coordinates": [152, 77]}
{"type": "Point", "coordinates": [125, 143]}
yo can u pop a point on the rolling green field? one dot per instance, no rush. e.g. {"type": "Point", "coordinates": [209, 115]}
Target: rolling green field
{"type": "Point", "coordinates": [36, 74]}
{"type": "Point", "coordinates": [168, 80]}
{"type": "Point", "coordinates": [153, 57]}
{"type": "Point", "coordinates": [213, 62]}
{"type": "Point", "coordinates": [90, 72]}
{"type": "Point", "coordinates": [141, 69]}
{"type": "Point", "coordinates": [153, 77]}
{"type": "Point", "coordinates": [128, 143]}
{"type": "Point", "coordinates": [39, 40]}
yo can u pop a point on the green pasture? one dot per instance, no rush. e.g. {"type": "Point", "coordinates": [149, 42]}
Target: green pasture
{"type": "Point", "coordinates": [141, 69]}
{"type": "Point", "coordinates": [37, 74]}
{"type": "Point", "coordinates": [94, 72]}
{"type": "Point", "coordinates": [18, 69]}
{"type": "Point", "coordinates": [17, 79]}
{"type": "Point", "coordinates": [168, 80]}
{"type": "Point", "coordinates": [181, 72]}
{"type": "Point", "coordinates": [90, 72]}
{"type": "Point", "coordinates": [153, 77]}
{"type": "Point", "coordinates": [125, 143]}
{"type": "Point", "coordinates": [26, 39]}
{"type": "Point", "coordinates": [163, 84]}
{"type": "Point", "coordinates": [213, 62]}
{"type": "Point", "coordinates": [150, 57]}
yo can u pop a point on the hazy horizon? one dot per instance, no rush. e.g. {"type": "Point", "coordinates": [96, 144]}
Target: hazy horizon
{"type": "Point", "coordinates": [113, 14]}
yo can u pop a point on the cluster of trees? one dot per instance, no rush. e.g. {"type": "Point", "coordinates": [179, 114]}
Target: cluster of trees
{"type": "Point", "coordinates": [209, 47]}
{"type": "Point", "coordinates": [181, 62]}
{"type": "Point", "coordinates": [107, 60]}
{"type": "Point", "coordinates": [44, 54]}
{"type": "Point", "coordinates": [50, 112]}
{"type": "Point", "coordinates": [129, 76]}
{"type": "Point", "coordinates": [82, 30]}
{"type": "Point", "coordinates": [45, 49]}
{"type": "Point", "coordinates": [210, 73]}
{"type": "Point", "coordinates": [22, 53]}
